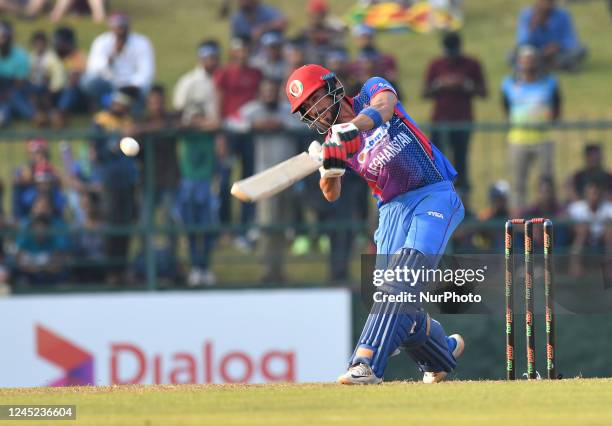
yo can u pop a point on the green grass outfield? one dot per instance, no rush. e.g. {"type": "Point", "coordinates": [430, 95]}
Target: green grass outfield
{"type": "Point", "coordinates": [565, 402]}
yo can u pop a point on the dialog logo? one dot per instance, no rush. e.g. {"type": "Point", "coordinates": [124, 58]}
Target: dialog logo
{"type": "Point", "coordinates": [77, 363]}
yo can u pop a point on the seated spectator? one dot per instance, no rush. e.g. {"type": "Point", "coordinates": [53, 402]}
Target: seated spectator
{"type": "Point", "coordinates": [70, 98]}
{"type": "Point", "coordinates": [47, 184]}
{"type": "Point", "coordinates": [453, 81]}
{"type": "Point", "coordinates": [41, 246]}
{"type": "Point", "coordinates": [593, 231]}
{"type": "Point", "coordinates": [88, 245]}
{"type": "Point", "coordinates": [323, 32]}
{"type": "Point", "coordinates": [270, 60]}
{"type": "Point", "coordinates": [195, 95]}
{"type": "Point", "coordinates": [97, 8]}
{"type": "Point", "coordinates": [37, 179]}
{"type": "Point", "coordinates": [253, 19]}
{"type": "Point", "coordinates": [80, 174]}
{"type": "Point", "coordinates": [464, 239]}
{"type": "Point", "coordinates": [337, 60]}
{"type": "Point", "coordinates": [551, 30]}
{"type": "Point", "coordinates": [384, 65]}
{"type": "Point", "coordinates": [119, 59]}
{"type": "Point", "coordinates": [593, 171]}
{"type": "Point", "coordinates": [14, 72]}
{"type": "Point", "coordinates": [11, 6]}
{"type": "Point", "coordinates": [38, 153]}
{"type": "Point", "coordinates": [531, 98]}
{"type": "Point", "coordinates": [268, 114]}
{"type": "Point", "coordinates": [4, 270]}
{"type": "Point", "coordinates": [238, 83]}
{"type": "Point", "coordinates": [47, 76]}
{"type": "Point", "coordinates": [295, 54]}
{"type": "Point", "coordinates": [546, 203]}
{"type": "Point", "coordinates": [490, 239]}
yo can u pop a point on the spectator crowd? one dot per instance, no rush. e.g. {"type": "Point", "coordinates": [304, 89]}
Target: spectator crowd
{"type": "Point", "coordinates": [229, 118]}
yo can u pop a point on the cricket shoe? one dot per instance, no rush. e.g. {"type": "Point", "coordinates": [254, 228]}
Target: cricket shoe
{"type": "Point", "coordinates": [359, 374]}
{"type": "Point", "coordinates": [434, 377]}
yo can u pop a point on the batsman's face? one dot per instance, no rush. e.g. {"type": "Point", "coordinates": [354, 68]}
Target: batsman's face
{"type": "Point", "coordinates": [318, 108]}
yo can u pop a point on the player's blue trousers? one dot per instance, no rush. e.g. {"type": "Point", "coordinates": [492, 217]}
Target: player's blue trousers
{"type": "Point", "coordinates": [418, 224]}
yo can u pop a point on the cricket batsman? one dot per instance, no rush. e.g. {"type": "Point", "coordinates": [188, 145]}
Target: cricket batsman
{"type": "Point", "coordinates": [419, 209]}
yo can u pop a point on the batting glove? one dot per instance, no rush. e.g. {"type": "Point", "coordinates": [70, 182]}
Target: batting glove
{"type": "Point", "coordinates": [348, 135]}
{"type": "Point", "coordinates": [333, 155]}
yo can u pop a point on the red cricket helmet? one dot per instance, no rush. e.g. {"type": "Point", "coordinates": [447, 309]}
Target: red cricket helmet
{"type": "Point", "coordinates": [306, 80]}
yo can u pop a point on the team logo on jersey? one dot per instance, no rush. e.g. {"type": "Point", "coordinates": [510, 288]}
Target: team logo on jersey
{"type": "Point", "coordinates": [435, 214]}
{"type": "Point", "coordinates": [370, 141]}
{"type": "Point", "coordinates": [296, 88]}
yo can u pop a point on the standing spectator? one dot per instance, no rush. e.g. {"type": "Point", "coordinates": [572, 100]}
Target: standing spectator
{"type": "Point", "coordinates": [384, 64]}
{"type": "Point", "coordinates": [551, 30]}
{"type": "Point", "coordinates": [530, 99]}
{"type": "Point", "coordinates": [14, 72]}
{"type": "Point", "coordinates": [155, 131]}
{"type": "Point", "coordinates": [70, 98]}
{"type": "Point", "coordinates": [197, 200]}
{"type": "Point", "coordinates": [593, 171]}
{"type": "Point", "coordinates": [593, 230]}
{"type": "Point", "coordinates": [253, 19]}
{"type": "Point", "coordinates": [270, 60]}
{"type": "Point", "coordinates": [118, 180]}
{"type": "Point", "coordinates": [195, 95]}
{"type": "Point", "coordinates": [268, 114]}
{"type": "Point", "coordinates": [453, 81]}
{"type": "Point", "coordinates": [47, 76]}
{"type": "Point", "coordinates": [198, 101]}
{"type": "Point", "coordinates": [323, 31]}
{"type": "Point", "coordinates": [119, 59]}
{"type": "Point", "coordinates": [238, 83]}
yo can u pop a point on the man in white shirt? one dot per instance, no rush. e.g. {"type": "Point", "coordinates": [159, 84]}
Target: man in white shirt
{"type": "Point", "coordinates": [119, 59]}
{"type": "Point", "coordinates": [195, 94]}
{"type": "Point", "coordinates": [593, 229]}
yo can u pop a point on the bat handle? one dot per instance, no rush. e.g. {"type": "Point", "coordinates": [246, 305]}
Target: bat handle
{"type": "Point", "coordinates": [314, 150]}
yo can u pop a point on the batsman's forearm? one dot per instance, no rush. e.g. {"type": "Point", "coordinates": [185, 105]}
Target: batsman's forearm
{"type": "Point", "coordinates": [384, 103]}
{"type": "Point", "coordinates": [330, 187]}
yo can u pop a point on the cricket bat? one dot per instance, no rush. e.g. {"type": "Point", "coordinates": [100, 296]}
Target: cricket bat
{"type": "Point", "coordinates": [280, 177]}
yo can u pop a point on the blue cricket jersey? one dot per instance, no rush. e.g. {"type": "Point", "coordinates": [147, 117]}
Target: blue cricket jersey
{"type": "Point", "coordinates": [396, 157]}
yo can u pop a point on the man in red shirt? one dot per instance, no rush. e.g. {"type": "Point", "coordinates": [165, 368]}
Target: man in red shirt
{"type": "Point", "coordinates": [452, 81]}
{"type": "Point", "coordinates": [237, 84]}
